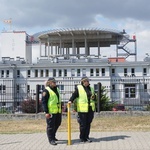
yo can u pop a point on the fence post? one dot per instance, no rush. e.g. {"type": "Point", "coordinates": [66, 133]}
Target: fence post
{"type": "Point", "coordinates": [99, 94]}
{"type": "Point", "coordinates": [37, 98]}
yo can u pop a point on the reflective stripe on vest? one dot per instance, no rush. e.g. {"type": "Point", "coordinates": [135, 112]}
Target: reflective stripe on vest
{"type": "Point", "coordinates": [54, 105]}
{"type": "Point", "coordinates": [82, 101]}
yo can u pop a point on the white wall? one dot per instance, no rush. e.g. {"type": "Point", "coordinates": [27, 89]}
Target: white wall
{"type": "Point", "coordinates": [13, 44]}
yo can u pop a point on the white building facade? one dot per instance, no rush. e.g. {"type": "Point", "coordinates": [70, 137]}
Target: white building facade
{"type": "Point", "coordinates": [66, 55]}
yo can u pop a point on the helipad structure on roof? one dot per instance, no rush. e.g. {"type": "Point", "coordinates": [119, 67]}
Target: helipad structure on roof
{"type": "Point", "coordinates": [93, 36]}
{"type": "Point", "coordinates": [77, 42]}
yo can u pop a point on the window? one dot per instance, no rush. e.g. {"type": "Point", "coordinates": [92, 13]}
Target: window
{"type": "Point", "coordinates": [54, 72]}
{"type": "Point", "coordinates": [144, 72]}
{"type": "Point", "coordinates": [41, 73]}
{"type": "Point", "coordinates": [41, 88]}
{"type": "Point", "coordinates": [2, 89]}
{"type": "Point", "coordinates": [113, 72]}
{"type": "Point", "coordinates": [17, 89]}
{"type": "Point", "coordinates": [65, 72]}
{"type": "Point", "coordinates": [36, 73]}
{"type": "Point", "coordinates": [78, 72]}
{"type": "Point", "coordinates": [47, 73]}
{"type": "Point", "coordinates": [72, 72]}
{"type": "Point", "coordinates": [113, 87]}
{"type": "Point", "coordinates": [18, 73]}
{"type": "Point", "coordinates": [2, 73]}
{"type": "Point", "coordinates": [28, 73]}
{"type": "Point", "coordinates": [83, 72]}
{"type": "Point", "coordinates": [61, 87]}
{"type": "Point", "coordinates": [96, 87]}
{"type": "Point", "coordinates": [91, 72]}
{"type": "Point", "coordinates": [145, 87]}
{"type": "Point", "coordinates": [97, 71]}
{"type": "Point", "coordinates": [28, 88]}
{"type": "Point", "coordinates": [103, 71]}
{"type": "Point", "coordinates": [59, 73]}
{"type": "Point", "coordinates": [130, 91]}
{"type": "Point", "coordinates": [132, 72]}
{"type": "Point", "coordinates": [125, 72]}
{"type": "Point", "coordinates": [7, 73]}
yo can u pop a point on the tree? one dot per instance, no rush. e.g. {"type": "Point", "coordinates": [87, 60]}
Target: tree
{"type": "Point", "coordinates": [105, 104]}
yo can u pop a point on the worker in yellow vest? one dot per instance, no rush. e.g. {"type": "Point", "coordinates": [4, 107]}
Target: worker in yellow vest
{"type": "Point", "coordinates": [51, 102]}
{"type": "Point", "coordinates": [85, 99]}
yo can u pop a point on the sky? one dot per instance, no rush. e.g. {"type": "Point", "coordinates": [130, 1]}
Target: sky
{"type": "Point", "coordinates": [36, 16]}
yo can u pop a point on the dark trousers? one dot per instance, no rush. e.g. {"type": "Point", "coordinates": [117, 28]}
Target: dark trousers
{"type": "Point", "coordinates": [85, 120]}
{"type": "Point", "coordinates": [53, 124]}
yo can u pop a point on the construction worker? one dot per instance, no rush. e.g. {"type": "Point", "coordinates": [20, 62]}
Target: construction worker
{"type": "Point", "coordinates": [85, 102]}
{"type": "Point", "coordinates": [52, 107]}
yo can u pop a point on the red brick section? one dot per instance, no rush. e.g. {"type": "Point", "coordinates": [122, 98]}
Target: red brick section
{"type": "Point", "coordinates": [116, 59]}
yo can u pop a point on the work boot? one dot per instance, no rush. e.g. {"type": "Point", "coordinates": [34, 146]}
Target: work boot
{"type": "Point", "coordinates": [56, 139]}
{"type": "Point", "coordinates": [52, 142]}
{"type": "Point", "coordinates": [88, 140]}
{"type": "Point", "coordinates": [82, 140]}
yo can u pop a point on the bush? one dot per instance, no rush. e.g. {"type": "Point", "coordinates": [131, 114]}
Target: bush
{"type": "Point", "coordinates": [29, 106]}
{"type": "Point", "coordinates": [6, 109]}
{"type": "Point", "coordinates": [3, 111]}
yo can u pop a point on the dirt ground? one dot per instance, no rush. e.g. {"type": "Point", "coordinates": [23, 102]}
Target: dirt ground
{"type": "Point", "coordinates": [102, 124]}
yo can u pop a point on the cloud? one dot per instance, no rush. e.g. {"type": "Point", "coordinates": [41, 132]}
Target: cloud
{"type": "Point", "coordinates": [69, 13]}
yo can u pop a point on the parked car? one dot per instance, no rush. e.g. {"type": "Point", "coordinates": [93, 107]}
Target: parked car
{"type": "Point", "coordinates": [118, 107]}
{"type": "Point", "coordinates": [138, 108]}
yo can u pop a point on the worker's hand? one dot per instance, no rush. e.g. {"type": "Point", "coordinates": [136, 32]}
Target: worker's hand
{"type": "Point", "coordinates": [48, 116]}
{"type": "Point", "coordinates": [93, 97]}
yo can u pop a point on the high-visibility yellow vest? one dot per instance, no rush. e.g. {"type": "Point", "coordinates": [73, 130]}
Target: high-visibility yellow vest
{"type": "Point", "coordinates": [54, 104]}
{"type": "Point", "coordinates": [82, 100]}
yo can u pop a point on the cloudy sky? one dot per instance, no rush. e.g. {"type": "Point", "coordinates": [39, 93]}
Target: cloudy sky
{"type": "Point", "coordinates": [35, 16]}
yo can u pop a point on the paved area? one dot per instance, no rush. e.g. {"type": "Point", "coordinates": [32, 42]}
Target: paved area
{"type": "Point", "coordinates": [101, 141]}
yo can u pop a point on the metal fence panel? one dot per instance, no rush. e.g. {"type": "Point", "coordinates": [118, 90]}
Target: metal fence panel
{"type": "Point", "coordinates": [131, 93]}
